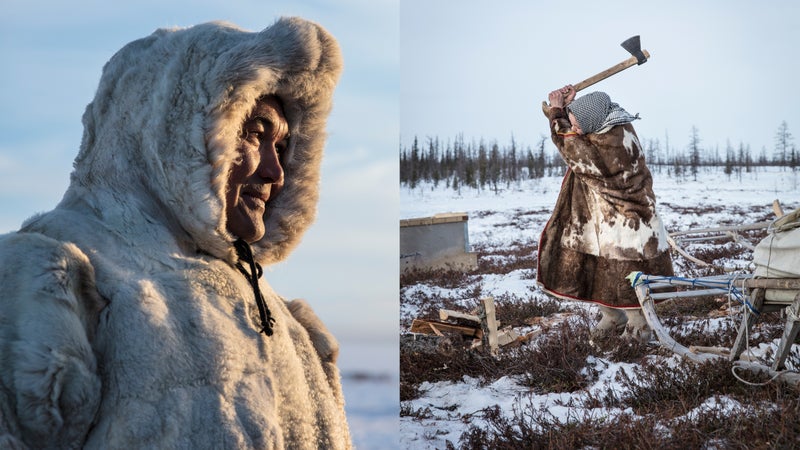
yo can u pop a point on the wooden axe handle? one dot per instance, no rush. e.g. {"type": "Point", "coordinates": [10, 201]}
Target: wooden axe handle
{"type": "Point", "coordinates": [608, 72]}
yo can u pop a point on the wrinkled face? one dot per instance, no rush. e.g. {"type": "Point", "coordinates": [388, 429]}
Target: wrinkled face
{"type": "Point", "coordinates": [257, 175]}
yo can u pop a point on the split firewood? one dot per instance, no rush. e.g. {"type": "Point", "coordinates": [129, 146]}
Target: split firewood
{"type": "Point", "coordinates": [439, 328]}
{"type": "Point", "coordinates": [485, 332]}
{"type": "Point", "coordinates": [721, 351]}
{"type": "Point", "coordinates": [445, 314]}
{"type": "Point", "coordinates": [685, 254]}
{"type": "Point", "coordinates": [504, 338]}
{"type": "Point", "coordinates": [488, 324]}
{"type": "Point", "coordinates": [777, 209]}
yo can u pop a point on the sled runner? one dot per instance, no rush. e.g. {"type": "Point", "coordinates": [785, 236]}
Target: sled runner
{"type": "Point", "coordinates": [774, 285]}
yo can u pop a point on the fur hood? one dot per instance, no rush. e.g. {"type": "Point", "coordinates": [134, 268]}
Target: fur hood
{"type": "Point", "coordinates": [173, 104]}
{"type": "Point", "coordinates": [152, 334]}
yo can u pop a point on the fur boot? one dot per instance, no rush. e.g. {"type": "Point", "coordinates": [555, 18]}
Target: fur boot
{"type": "Point", "coordinates": [637, 327]}
{"type": "Point", "coordinates": [611, 323]}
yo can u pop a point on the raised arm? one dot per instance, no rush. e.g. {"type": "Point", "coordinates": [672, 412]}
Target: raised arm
{"type": "Point", "coordinates": [556, 112]}
{"type": "Point", "coordinates": [561, 98]}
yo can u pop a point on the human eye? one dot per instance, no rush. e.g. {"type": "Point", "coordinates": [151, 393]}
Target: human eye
{"type": "Point", "coordinates": [282, 145]}
{"type": "Point", "coordinates": [253, 133]}
{"type": "Point", "coordinates": [253, 137]}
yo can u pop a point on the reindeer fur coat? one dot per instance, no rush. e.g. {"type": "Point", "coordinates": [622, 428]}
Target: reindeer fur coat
{"type": "Point", "coordinates": [123, 322]}
{"type": "Point", "coordinates": [604, 224]}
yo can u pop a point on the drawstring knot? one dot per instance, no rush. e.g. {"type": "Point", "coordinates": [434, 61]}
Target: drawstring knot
{"type": "Point", "coordinates": [245, 254]}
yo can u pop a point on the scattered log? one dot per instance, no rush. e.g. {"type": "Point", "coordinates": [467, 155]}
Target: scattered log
{"type": "Point", "coordinates": [488, 324]}
{"type": "Point", "coordinates": [445, 314]}
{"type": "Point", "coordinates": [736, 228]}
{"type": "Point", "coordinates": [732, 232]}
{"type": "Point", "coordinates": [439, 328]}
{"type": "Point", "coordinates": [485, 333]}
{"type": "Point", "coordinates": [777, 209]}
{"type": "Point", "coordinates": [507, 336]}
{"type": "Point", "coordinates": [686, 254]}
{"type": "Point", "coordinates": [721, 351]}
{"type": "Point", "coordinates": [504, 338]}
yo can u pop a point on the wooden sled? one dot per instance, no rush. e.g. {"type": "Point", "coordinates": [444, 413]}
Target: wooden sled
{"type": "Point", "coordinates": [758, 295]}
{"type": "Point", "coordinates": [736, 233]}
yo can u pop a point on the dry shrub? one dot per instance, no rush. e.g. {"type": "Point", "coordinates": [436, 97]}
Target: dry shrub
{"type": "Point", "coordinates": [687, 319]}
{"type": "Point", "coordinates": [690, 306]}
{"type": "Point", "coordinates": [661, 399]}
{"type": "Point", "coordinates": [517, 255]}
{"type": "Point", "coordinates": [752, 426]}
{"type": "Point", "coordinates": [699, 333]}
{"type": "Point", "coordinates": [622, 349]}
{"type": "Point", "coordinates": [756, 428]}
{"type": "Point", "coordinates": [713, 254]}
{"type": "Point", "coordinates": [445, 278]}
{"type": "Point", "coordinates": [538, 429]}
{"type": "Point", "coordinates": [554, 362]}
{"type": "Point", "coordinates": [672, 390]}
{"type": "Point", "coordinates": [768, 328]}
{"type": "Point", "coordinates": [517, 312]}
{"type": "Point", "coordinates": [428, 306]}
{"type": "Point", "coordinates": [434, 363]}
{"type": "Point", "coordinates": [418, 414]}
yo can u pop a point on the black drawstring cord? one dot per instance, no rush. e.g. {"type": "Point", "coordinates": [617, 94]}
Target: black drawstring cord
{"type": "Point", "coordinates": [246, 254]}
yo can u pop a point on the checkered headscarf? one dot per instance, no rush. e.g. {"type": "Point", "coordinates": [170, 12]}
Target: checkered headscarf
{"type": "Point", "coordinates": [596, 112]}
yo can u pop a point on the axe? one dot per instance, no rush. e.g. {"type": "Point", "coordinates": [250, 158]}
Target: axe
{"type": "Point", "coordinates": [633, 46]}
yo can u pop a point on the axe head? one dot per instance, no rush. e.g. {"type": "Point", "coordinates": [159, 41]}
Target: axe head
{"type": "Point", "coordinates": [634, 47]}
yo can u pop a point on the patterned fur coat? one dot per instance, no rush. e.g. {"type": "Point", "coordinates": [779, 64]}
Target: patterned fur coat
{"type": "Point", "coordinates": [123, 322]}
{"type": "Point", "coordinates": [604, 224]}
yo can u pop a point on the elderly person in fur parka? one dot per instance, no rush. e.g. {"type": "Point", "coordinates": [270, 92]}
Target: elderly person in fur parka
{"type": "Point", "coordinates": [133, 314]}
{"type": "Point", "coordinates": [604, 225]}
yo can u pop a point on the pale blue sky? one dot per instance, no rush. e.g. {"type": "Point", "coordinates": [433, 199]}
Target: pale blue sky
{"type": "Point", "coordinates": [483, 68]}
{"type": "Point", "coordinates": [347, 267]}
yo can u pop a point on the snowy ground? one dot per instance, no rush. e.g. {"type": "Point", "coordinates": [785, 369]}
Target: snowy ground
{"type": "Point", "coordinates": [518, 214]}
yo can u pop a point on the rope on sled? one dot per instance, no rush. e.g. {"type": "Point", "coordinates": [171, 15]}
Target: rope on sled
{"type": "Point", "coordinates": [751, 383]}
{"type": "Point", "coordinates": [722, 285]}
{"type": "Point", "coordinates": [733, 293]}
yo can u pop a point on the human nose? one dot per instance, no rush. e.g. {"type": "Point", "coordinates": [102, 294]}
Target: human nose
{"type": "Point", "coordinates": [269, 167]}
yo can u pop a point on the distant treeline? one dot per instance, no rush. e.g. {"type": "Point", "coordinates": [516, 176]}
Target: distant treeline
{"type": "Point", "coordinates": [491, 165]}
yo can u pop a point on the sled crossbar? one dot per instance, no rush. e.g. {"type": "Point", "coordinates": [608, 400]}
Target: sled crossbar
{"type": "Point", "coordinates": [750, 291]}
{"type": "Point", "coordinates": [713, 285]}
